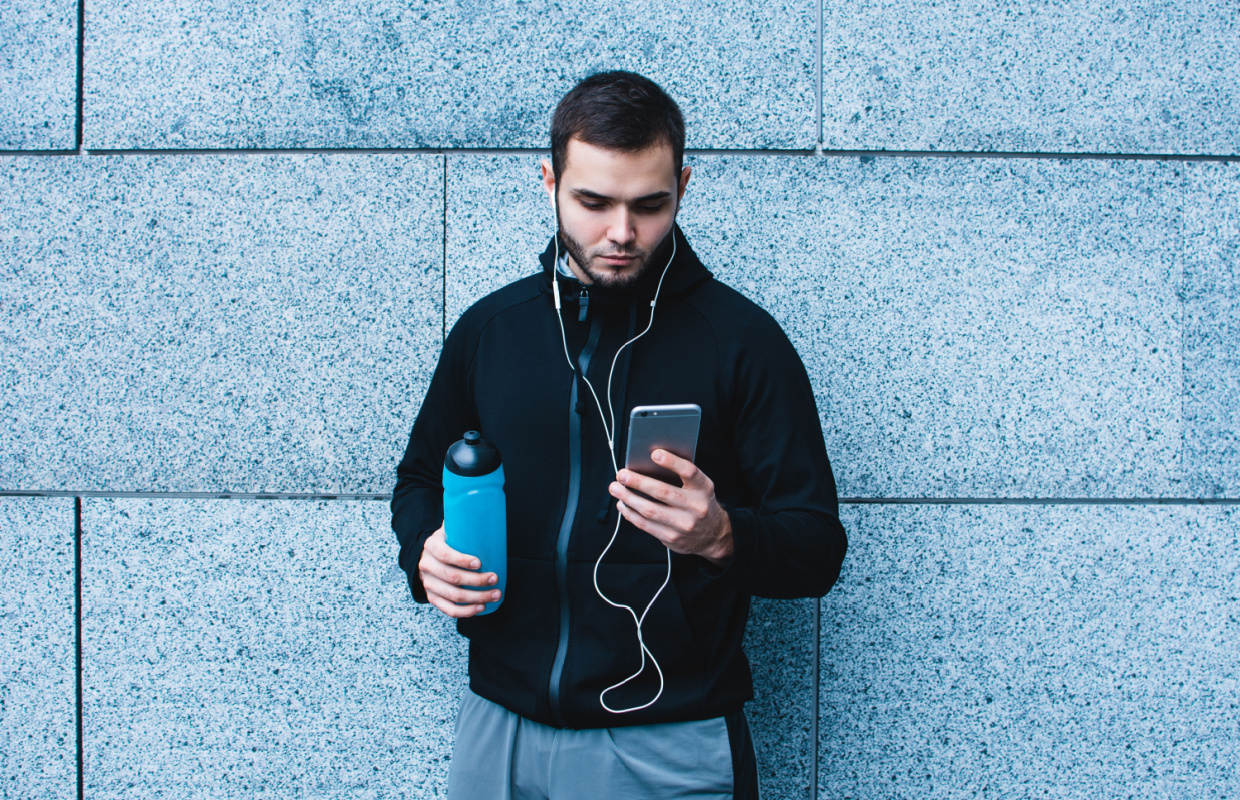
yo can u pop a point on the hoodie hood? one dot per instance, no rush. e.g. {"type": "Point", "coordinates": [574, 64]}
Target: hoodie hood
{"type": "Point", "coordinates": [685, 272]}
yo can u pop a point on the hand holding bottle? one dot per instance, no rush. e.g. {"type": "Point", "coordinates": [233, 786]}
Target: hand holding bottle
{"type": "Point", "coordinates": [451, 582]}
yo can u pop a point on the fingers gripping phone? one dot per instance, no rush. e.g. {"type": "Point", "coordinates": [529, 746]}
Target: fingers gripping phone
{"type": "Point", "coordinates": [672, 427]}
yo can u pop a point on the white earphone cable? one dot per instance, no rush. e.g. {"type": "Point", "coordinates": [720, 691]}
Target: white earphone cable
{"type": "Point", "coordinates": [609, 430]}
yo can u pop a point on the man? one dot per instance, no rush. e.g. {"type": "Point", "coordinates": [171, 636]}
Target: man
{"type": "Point", "coordinates": [756, 512]}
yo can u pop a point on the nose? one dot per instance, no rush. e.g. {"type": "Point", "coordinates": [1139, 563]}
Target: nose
{"type": "Point", "coordinates": [620, 229]}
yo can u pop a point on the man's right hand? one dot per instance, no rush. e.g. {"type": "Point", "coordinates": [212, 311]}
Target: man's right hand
{"type": "Point", "coordinates": [447, 575]}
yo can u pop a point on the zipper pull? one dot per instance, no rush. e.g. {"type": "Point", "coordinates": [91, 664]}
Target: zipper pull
{"type": "Point", "coordinates": [583, 304]}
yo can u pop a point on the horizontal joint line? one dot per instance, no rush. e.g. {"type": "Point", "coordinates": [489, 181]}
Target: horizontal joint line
{"type": "Point", "coordinates": [1043, 501]}
{"type": "Point", "coordinates": [1027, 501]}
{"type": "Point", "coordinates": [817, 152]}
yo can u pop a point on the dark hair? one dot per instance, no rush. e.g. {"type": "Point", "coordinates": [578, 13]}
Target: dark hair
{"type": "Point", "coordinates": [619, 111]}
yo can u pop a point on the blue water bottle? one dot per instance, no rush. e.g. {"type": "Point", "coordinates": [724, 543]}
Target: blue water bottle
{"type": "Point", "coordinates": [475, 517]}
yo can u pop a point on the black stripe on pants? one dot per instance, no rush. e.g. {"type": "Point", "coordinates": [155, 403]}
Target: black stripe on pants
{"type": "Point", "coordinates": [744, 762]}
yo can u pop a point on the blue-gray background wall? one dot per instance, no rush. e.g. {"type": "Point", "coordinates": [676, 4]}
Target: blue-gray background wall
{"type": "Point", "coordinates": [1005, 239]}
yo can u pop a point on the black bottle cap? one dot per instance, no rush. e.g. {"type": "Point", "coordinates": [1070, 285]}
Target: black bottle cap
{"type": "Point", "coordinates": [472, 456]}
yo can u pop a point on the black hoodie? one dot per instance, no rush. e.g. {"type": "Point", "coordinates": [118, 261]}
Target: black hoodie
{"type": "Point", "coordinates": [553, 645]}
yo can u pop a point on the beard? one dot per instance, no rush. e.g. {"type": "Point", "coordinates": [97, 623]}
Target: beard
{"type": "Point", "coordinates": [604, 276]}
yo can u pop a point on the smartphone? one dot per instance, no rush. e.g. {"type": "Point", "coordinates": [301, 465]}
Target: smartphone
{"type": "Point", "coordinates": [673, 428]}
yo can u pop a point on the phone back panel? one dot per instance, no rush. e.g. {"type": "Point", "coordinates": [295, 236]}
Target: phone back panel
{"type": "Point", "coordinates": [673, 428]}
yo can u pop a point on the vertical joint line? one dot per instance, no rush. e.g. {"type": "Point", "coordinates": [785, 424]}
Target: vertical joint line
{"type": "Point", "coordinates": [1182, 296]}
{"type": "Point", "coordinates": [443, 261]}
{"type": "Point", "coordinates": [81, 78]}
{"type": "Point", "coordinates": [819, 109]}
{"type": "Point", "coordinates": [77, 639]}
{"type": "Point", "coordinates": [813, 726]}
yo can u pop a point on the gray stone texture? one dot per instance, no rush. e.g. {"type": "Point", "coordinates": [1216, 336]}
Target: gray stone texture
{"type": "Point", "coordinates": [972, 328]}
{"type": "Point", "coordinates": [1033, 651]}
{"type": "Point", "coordinates": [499, 219]}
{"type": "Point", "coordinates": [216, 323]}
{"type": "Point", "coordinates": [429, 74]}
{"type": "Point", "coordinates": [1050, 77]}
{"type": "Point", "coordinates": [779, 641]}
{"type": "Point", "coordinates": [38, 75]}
{"type": "Point", "coordinates": [38, 741]}
{"type": "Point", "coordinates": [237, 648]}
{"type": "Point", "coordinates": [1212, 330]}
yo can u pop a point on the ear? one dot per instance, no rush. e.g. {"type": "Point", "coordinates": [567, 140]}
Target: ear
{"type": "Point", "coordinates": [548, 179]}
{"type": "Point", "coordinates": [685, 172]}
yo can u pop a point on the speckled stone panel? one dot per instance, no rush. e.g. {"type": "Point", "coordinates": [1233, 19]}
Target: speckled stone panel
{"type": "Point", "coordinates": [499, 219]}
{"type": "Point", "coordinates": [171, 74]}
{"type": "Point", "coordinates": [38, 740]}
{"type": "Point", "coordinates": [972, 328]}
{"type": "Point", "coordinates": [216, 323]}
{"type": "Point", "coordinates": [1212, 330]}
{"type": "Point", "coordinates": [242, 648]}
{"type": "Point", "coordinates": [38, 75]}
{"type": "Point", "coordinates": [779, 641]}
{"type": "Point", "coordinates": [1041, 76]}
{"type": "Point", "coordinates": [1033, 651]}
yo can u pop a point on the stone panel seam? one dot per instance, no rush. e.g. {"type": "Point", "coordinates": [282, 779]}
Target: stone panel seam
{"type": "Point", "coordinates": [77, 639]}
{"type": "Point", "coordinates": [926, 501]}
{"type": "Point", "coordinates": [814, 702]}
{"type": "Point", "coordinates": [1043, 501]}
{"type": "Point", "coordinates": [194, 495]}
{"type": "Point", "coordinates": [820, 101]}
{"type": "Point", "coordinates": [1182, 301]}
{"type": "Point", "coordinates": [816, 152]}
{"type": "Point", "coordinates": [79, 123]}
{"type": "Point", "coordinates": [39, 153]}
{"type": "Point", "coordinates": [443, 297]}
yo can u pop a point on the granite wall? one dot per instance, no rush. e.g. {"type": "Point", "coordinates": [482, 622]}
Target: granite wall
{"type": "Point", "coordinates": [1004, 238]}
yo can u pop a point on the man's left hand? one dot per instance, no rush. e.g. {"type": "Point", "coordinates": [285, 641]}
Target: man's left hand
{"type": "Point", "coordinates": [688, 520]}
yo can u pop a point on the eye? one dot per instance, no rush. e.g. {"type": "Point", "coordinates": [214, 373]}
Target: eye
{"type": "Point", "coordinates": [650, 209]}
{"type": "Point", "coordinates": [591, 205]}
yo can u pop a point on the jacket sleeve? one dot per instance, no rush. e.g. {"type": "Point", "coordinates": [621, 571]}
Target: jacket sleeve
{"type": "Point", "coordinates": [790, 543]}
{"type": "Point", "coordinates": [446, 413]}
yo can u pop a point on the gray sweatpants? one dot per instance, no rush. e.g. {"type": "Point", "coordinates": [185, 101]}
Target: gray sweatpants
{"type": "Point", "coordinates": [500, 755]}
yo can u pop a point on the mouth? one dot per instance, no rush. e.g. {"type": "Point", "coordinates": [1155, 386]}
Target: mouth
{"type": "Point", "coordinates": [618, 261]}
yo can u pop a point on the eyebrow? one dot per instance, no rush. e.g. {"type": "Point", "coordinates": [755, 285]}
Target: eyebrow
{"type": "Point", "coordinates": [646, 198]}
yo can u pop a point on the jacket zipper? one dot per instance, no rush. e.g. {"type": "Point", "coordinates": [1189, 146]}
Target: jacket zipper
{"type": "Point", "coordinates": [566, 525]}
{"type": "Point", "coordinates": [583, 304]}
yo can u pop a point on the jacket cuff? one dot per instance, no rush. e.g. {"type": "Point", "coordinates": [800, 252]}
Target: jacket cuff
{"type": "Point", "coordinates": [410, 555]}
{"type": "Point", "coordinates": [744, 543]}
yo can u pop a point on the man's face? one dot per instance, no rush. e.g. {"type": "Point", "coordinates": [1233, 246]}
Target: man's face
{"type": "Point", "coordinates": [614, 208]}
